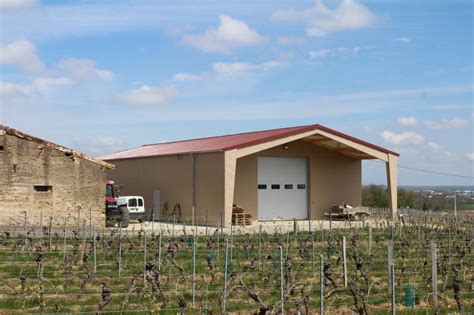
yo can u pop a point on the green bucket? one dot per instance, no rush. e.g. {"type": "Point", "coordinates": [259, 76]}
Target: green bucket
{"type": "Point", "coordinates": [189, 240]}
{"type": "Point", "coordinates": [230, 267]}
{"type": "Point", "coordinates": [409, 295]}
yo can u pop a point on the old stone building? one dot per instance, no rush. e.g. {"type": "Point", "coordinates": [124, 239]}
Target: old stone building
{"type": "Point", "coordinates": [46, 180]}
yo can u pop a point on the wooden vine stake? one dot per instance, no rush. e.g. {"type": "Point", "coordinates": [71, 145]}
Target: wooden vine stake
{"type": "Point", "coordinates": [434, 275]}
{"type": "Point", "coordinates": [159, 252]}
{"type": "Point", "coordinates": [49, 229]}
{"type": "Point", "coordinates": [312, 254]}
{"type": "Point", "coordinates": [26, 229]}
{"type": "Point", "coordinates": [120, 251]}
{"type": "Point", "coordinates": [282, 284]}
{"type": "Point", "coordinates": [95, 249]}
{"type": "Point", "coordinates": [392, 286]}
{"type": "Point", "coordinates": [224, 292]}
{"type": "Point", "coordinates": [83, 237]}
{"type": "Point", "coordinates": [390, 263]}
{"type": "Point", "coordinates": [344, 260]}
{"type": "Point", "coordinates": [218, 243]}
{"type": "Point", "coordinates": [321, 303]}
{"type": "Point", "coordinates": [90, 221]}
{"type": "Point", "coordinates": [144, 258]}
{"type": "Point", "coordinates": [207, 214]}
{"type": "Point", "coordinates": [259, 245]}
{"type": "Point", "coordinates": [65, 239]}
{"type": "Point", "coordinates": [370, 240]}
{"type": "Point", "coordinates": [194, 266]}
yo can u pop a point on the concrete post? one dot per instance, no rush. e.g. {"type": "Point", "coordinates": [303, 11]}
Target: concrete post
{"type": "Point", "coordinates": [230, 165]}
{"type": "Point", "coordinates": [391, 166]}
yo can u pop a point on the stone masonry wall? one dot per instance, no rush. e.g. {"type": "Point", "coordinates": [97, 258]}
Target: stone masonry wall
{"type": "Point", "coordinates": [78, 186]}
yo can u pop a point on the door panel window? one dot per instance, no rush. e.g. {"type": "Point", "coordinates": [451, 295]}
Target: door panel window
{"type": "Point", "coordinates": [140, 202]}
{"type": "Point", "coordinates": [262, 186]}
{"type": "Point", "coordinates": [288, 186]}
{"type": "Point", "coordinates": [132, 202]}
{"type": "Point", "coordinates": [275, 186]}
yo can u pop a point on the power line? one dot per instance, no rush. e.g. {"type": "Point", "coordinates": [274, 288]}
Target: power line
{"type": "Point", "coordinates": [433, 172]}
{"type": "Point", "coordinates": [429, 171]}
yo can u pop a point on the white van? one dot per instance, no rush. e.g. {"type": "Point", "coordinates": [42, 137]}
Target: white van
{"type": "Point", "coordinates": [134, 204]}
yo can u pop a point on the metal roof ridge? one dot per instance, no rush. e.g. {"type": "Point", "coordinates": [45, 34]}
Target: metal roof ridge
{"type": "Point", "coordinates": [226, 135]}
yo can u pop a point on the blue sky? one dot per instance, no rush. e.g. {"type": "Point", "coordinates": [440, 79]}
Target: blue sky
{"type": "Point", "coordinates": [102, 76]}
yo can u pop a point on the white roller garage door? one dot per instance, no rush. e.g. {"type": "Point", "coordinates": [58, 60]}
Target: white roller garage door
{"type": "Point", "coordinates": [282, 188]}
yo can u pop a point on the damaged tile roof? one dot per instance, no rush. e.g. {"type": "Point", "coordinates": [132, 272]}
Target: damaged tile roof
{"type": "Point", "coordinates": [41, 142]}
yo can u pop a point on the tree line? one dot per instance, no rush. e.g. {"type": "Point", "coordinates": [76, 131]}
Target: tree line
{"type": "Point", "coordinates": [377, 196]}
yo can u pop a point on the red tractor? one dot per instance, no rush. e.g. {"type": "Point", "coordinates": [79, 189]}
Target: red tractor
{"type": "Point", "coordinates": [114, 213]}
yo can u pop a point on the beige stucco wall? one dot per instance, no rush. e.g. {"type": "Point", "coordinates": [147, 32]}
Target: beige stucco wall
{"type": "Point", "coordinates": [174, 178]}
{"type": "Point", "coordinates": [76, 184]}
{"type": "Point", "coordinates": [333, 177]}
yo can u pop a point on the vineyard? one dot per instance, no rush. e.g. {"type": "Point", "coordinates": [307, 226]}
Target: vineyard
{"type": "Point", "coordinates": [424, 265]}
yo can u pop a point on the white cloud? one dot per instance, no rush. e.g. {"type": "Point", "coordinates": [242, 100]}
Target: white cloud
{"type": "Point", "coordinates": [272, 64]}
{"type": "Point", "coordinates": [434, 146]}
{"type": "Point", "coordinates": [456, 122]}
{"type": "Point", "coordinates": [406, 137]}
{"type": "Point", "coordinates": [321, 20]}
{"type": "Point", "coordinates": [319, 53]}
{"type": "Point", "coordinates": [230, 34]}
{"type": "Point", "coordinates": [16, 4]}
{"type": "Point", "coordinates": [185, 76]}
{"type": "Point", "coordinates": [231, 68]}
{"type": "Point", "coordinates": [448, 156]}
{"type": "Point", "coordinates": [100, 146]}
{"type": "Point", "coordinates": [470, 156]}
{"type": "Point", "coordinates": [148, 95]}
{"type": "Point", "coordinates": [22, 54]}
{"type": "Point", "coordinates": [407, 121]}
{"type": "Point", "coordinates": [14, 91]}
{"type": "Point", "coordinates": [404, 40]}
{"type": "Point", "coordinates": [228, 69]}
{"type": "Point", "coordinates": [340, 50]}
{"type": "Point", "coordinates": [237, 68]}
{"type": "Point", "coordinates": [44, 84]}
{"type": "Point", "coordinates": [84, 69]}
{"type": "Point", "coordinates": [290, 40]}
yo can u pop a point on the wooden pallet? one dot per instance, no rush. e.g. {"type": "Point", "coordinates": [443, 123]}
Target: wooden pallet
{"type": "Point", "coordinates": [241, 219]}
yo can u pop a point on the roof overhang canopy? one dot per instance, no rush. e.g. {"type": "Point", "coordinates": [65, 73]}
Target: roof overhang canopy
{"type": "Point", "coordinates": [331, 144]}
{"type": "Point", "coordinates": [329, 139]}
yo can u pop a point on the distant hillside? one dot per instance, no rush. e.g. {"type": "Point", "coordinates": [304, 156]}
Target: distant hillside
{"type": "Point", "coordinates": [438, 188]}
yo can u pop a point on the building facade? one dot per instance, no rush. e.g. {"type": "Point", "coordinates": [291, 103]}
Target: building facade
{"type": "Point", "coordinates": [280, 174]}
{"type": "Point", "coordinates": [45, 180]}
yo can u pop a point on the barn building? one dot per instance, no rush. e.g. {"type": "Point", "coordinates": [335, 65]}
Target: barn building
{"type": "Point", "coordinates": [297, 172]}
{"type": "Point", "coordinates": [47, 180]}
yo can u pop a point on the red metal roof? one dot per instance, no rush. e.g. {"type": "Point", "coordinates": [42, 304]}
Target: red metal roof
{"type": "Point", "coordinates": [226, 142]}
